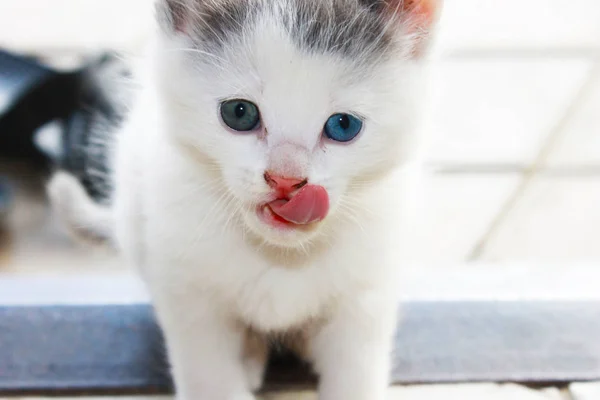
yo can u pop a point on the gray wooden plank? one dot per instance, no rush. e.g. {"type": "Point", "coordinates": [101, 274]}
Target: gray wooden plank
{"type": "Point", "coordinates": [500, 341]}
{"type": "Point", "coordinates": [118, 348]}
{"type": "Point", "coordinates": [80, 348]}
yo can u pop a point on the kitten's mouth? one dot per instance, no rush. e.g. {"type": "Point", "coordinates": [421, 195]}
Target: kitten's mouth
{"type": "Point", "coordinates": [308, 206]}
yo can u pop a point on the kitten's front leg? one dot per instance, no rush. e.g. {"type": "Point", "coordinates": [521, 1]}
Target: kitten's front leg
{"type": "Point", "coordinates": [205, 350]}
{"type": "Point", "coordinates": [352, 352]}
{"type": "Point", "coordinates": [256, 353]}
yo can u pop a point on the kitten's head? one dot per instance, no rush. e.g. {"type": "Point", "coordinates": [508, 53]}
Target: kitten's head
{"type": "Point", "coordinates": [294, 101]}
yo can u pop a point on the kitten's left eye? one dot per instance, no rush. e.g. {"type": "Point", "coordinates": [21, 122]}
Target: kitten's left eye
{"type": "Point", "coordinates": [240, 115]}
{"type": "Point", "coordinates": [343, 127]}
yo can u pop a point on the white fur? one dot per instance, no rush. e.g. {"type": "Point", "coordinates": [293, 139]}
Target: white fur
{"type": "Point", "coordinates": [186, 188]}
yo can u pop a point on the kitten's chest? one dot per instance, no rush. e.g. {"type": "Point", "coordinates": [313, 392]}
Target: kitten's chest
{"type": "Point", "coordinates": [276, 297]}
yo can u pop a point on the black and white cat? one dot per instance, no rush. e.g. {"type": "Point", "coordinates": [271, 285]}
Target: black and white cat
{"type": "Point", "coordinates": [261, 184]}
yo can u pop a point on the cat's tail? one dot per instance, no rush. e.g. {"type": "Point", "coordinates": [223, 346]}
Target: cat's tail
{"type": "Point", "coordinates": [86, 219]}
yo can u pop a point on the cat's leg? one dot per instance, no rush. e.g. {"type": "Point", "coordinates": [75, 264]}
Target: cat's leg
{"type": "Point", "coordinates": [256, 353]}
{"type": "Point", "coordinates": [205, 349]}
{"type": "Point", "coordinates": [352, 352]}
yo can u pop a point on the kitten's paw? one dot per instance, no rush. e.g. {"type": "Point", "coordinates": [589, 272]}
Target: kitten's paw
{"type": "Point", "coordinates": [255, 373]}
{"type": "Point", "coordinates": [256, 353]}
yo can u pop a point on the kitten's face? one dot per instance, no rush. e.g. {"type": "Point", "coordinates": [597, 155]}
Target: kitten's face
{"type": "Point", "coordinates": [295, 122]}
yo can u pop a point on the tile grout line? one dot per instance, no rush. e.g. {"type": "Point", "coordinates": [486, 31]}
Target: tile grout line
{"type": "Point", "coordinates": [590, 53]}
{"type": "Point", "coordinates": [531, 171]}
{"type": "Point", "coordinates": [589, 170]}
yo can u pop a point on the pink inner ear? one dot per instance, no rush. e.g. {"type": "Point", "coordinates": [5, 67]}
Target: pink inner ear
{"type": "Point", "coordinates": [422, 13]}
{"type": "Point", "coordinates": [426, 8]}
{"type": "Point", "coordinates": [178, 13]}
{"type": "Point", "coordinates": [418, 16]}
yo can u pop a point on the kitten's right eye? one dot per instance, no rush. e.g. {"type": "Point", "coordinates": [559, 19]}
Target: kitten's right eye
{"type": "Point", "coordinates": [240, 115]}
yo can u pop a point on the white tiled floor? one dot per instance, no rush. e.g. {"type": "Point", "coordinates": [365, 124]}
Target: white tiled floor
{"type": "Point", "coordinates": [556, 221]}
{"type": "Point", "coordinates": [502, 110]}
{"type": "Point", "coordinates": [580, 144]}
{"type": "Point", "coordinates": [517, 24]}
{"type": "Point", "coordinates": [456, 213]}
{"type": "Point", "coordinates": [447, 392]}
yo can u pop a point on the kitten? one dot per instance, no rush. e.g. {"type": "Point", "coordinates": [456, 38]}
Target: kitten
{"type": "Point", "coordinates": [262, 181]}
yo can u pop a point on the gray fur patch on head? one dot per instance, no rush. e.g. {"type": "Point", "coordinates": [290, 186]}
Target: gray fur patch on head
{"type": "Point", "coordinates": [346, 27]}
{"type": "Point", "coordinates": [349, 28]}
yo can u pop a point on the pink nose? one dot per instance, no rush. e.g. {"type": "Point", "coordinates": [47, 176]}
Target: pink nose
{"type": "Point", "coordinates": [284, 186]}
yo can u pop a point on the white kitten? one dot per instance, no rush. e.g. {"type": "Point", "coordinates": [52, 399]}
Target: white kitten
{"type": "Point", "coordinates": [253, 185]}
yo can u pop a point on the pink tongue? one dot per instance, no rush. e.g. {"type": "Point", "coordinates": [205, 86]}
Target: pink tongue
{"type": "Point", "coordinates": [310, 204]}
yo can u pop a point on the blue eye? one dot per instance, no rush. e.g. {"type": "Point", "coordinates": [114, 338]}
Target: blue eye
{"type": "Point", "coordinates": [343, 127]}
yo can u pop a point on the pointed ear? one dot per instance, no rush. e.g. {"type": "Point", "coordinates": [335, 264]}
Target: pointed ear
{"type": "Point", "coordinates": [173, 15]}
{"type": "Point", "coordinates": [423, 13]}
{"type": "Point", "coordinates": [418, 18]}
